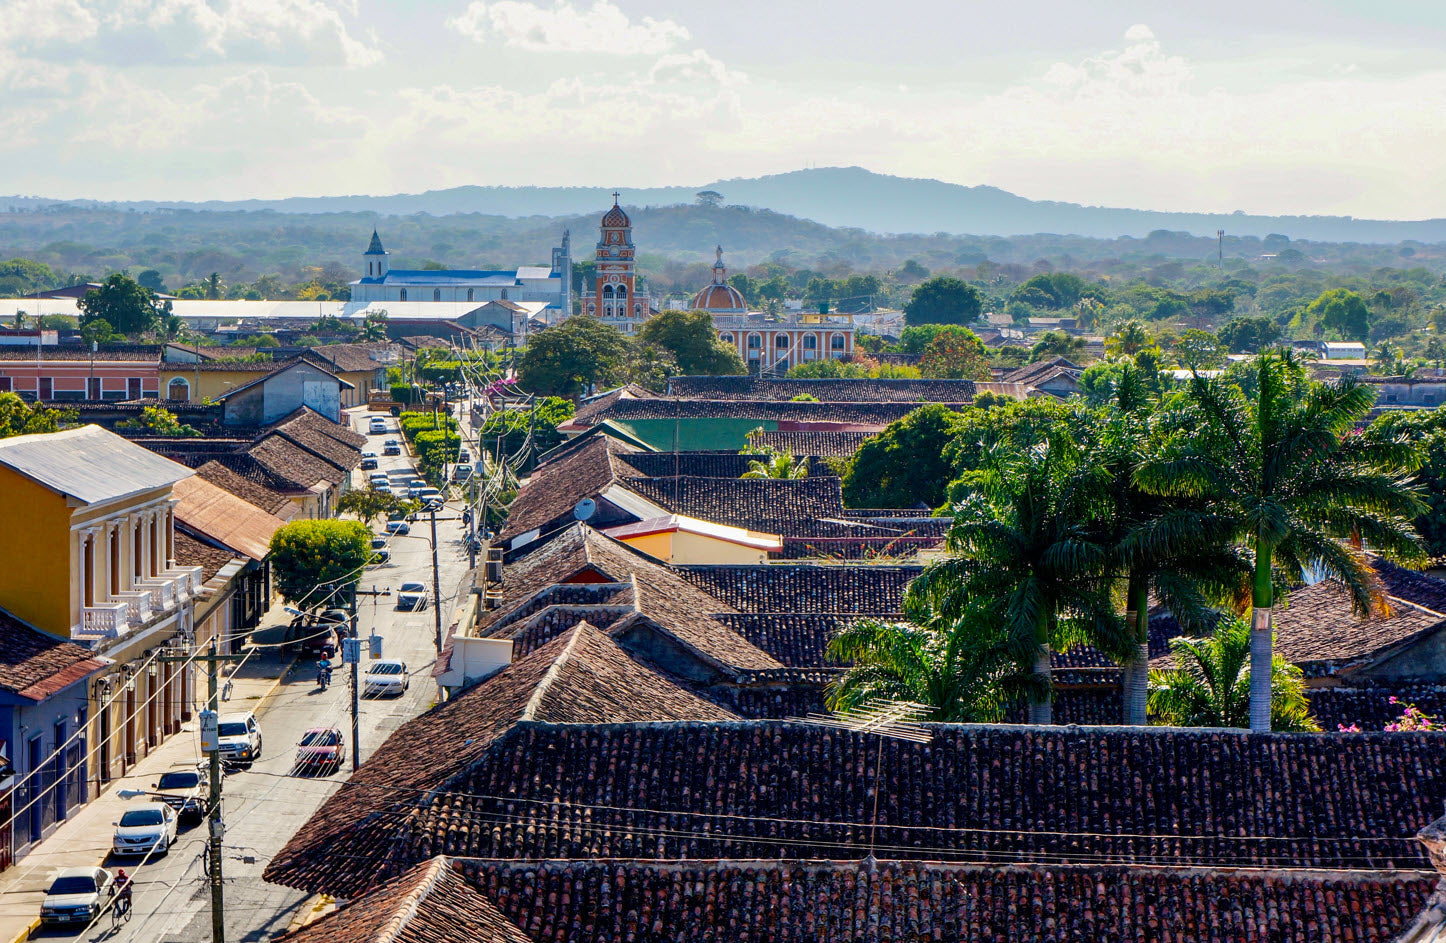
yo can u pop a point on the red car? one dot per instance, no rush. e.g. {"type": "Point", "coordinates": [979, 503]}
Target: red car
{"type": "Point", "coordinates": [321, 748]}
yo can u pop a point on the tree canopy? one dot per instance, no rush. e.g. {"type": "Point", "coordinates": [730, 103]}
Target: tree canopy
{"type": "Point", "coordinates": [944, 300]}
{"type": "Point", "coordinates": [1343, 311]}
{"type": "Point", "coordinates": [315, 561]}
{"type": "Point", "coordinates": [691, 339]}
{"type": "Point", "coordinates": [123, 304]}
{"type": "Point", "coordinates": [571, 358]}
{"type": "Point", "coordinates": [904, 465]}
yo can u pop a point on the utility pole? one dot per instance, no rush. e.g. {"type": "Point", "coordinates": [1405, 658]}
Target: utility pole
{"type": "Point", "coordinates": [215, 826]}
{"type": "Point", "coordinates": [436, 582]}
{"type": "Point", "coordinates": [1220, 249]}
{"type": "Point", "coordinates": [354, 657]}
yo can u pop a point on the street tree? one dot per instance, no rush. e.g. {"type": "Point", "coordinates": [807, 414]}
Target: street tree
{"type": "Point", "coordinates": [315, 561]}
{"type": "Point", "coordinates": [692, 340]}
{"type": "Point", "coordinates": [573, 357]}
{"type": "Point", "coordinates": [368, 504]}
{"type": "Point", "coordinates": [904, 466]}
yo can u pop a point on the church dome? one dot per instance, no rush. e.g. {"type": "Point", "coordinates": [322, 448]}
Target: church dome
{"type": "Point", "coordinates": [616, 217]}
{"type": "Point", "coordinates": [719, 298]}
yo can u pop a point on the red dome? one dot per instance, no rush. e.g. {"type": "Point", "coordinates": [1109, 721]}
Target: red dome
{"type": "Point", "coordinates": [616, 217]}
{"type": "Point", "coordinates": [719, 298]}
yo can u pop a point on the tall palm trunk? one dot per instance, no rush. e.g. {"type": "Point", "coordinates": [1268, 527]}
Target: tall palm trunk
{"type": "Point", "coordinates": [1041, 710]}
{"type": "Point", "coordinates": [1137, 672]}
{"type": "Point", "coordinates": [1261, 642]}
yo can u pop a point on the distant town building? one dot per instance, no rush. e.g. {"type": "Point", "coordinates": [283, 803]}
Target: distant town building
{"type": "Point", "coordinates": [775, 346]}
{"type": "Point", "coordinates": [551, 284]}
{"type": "Point", "coordinates": [615, 297]}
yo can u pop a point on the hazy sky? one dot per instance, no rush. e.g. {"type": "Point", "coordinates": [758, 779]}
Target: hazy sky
{"type": "Point", "coordinates": [1271, 106]}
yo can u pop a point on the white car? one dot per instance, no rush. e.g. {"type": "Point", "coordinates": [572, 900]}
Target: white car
{"type": "Point", "coordinates": [145, 829]}
{"type": "Point", "coordinates": [385, 676]}
{"type": "Point", "coordinates": [377, 426]}
{"type": "Point", "coordinates": [412, 596]}
{"type": "Point", "coordinates": [77, 895]}
{"type": "Point", "coordinates": [239, 737]}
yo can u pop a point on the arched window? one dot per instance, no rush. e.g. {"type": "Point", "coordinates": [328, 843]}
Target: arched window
{"type": "Point", "coordinates": [178, 389]}
{"type": "Point", "coordinates": [436, 294]}
{"type": "Point", "coordinates": [780, 341]}
{"type": "Point", "coordinates": [504, 294]}
{"type": "Point", "coordinates": [469, 293]}
{"type": "Point", "coordinates": [622, 291]}
{"type": "Point", "coordinates": [810, 342]}
{"type": "Point", "coordinates": [726, 338]}
{"type": "Point", "coordinates": [607, 291]}
{"type": "Point", "coordinates": [637, 311]}
{"type": "Point", "coordinates": [403, 296]}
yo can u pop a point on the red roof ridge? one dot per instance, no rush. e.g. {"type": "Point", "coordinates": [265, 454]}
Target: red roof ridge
{"type": "Point", "coordinates": [534, 703]}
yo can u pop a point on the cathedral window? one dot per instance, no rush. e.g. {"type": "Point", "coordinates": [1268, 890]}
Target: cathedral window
{"type": "Point", "coordinates": [436, 294]}
{"type": "Point", "coordinates": [469, 293]}
{"type": "Point", "coordinates": [403, 295]}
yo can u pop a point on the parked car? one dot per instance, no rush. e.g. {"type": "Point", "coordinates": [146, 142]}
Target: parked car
{"type": "Point", "coordinates": [321, 748]}
{"type": "Point", "coordinates": [369, 461]}
{"type": "Point", "coordinates": [391, 447]}
{"type": "Point", "coordinates": [381, 556]}
{"type": "Point", "coordinates": [183, 790]}
{"type": "Point", "coordinates": [398, 528]}
{"type": "Point", "coordinates": [430, 498]}
{"type": "Point", "coordinates": [77, 895]}
{"type": "Point", "coordinates": [379, 478]}
{"type": "Point", "coordinates": [385, 676]}
{"type": "Point", "coordinates": [377, 426]}
{"type": "Point", "coordinates": [148, 828]}
{"type": "Point", "coordinates": [412, 596]}
{"type": "Point", "coordinates": [239, 735]}
{"type": "Point", "coordinates": [462, 473]}
{"type": "Point", "coordinates": [414, 487]}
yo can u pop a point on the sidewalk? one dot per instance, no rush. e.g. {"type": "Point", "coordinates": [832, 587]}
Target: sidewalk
{"type": "Point", "coordinates": [85, 837]}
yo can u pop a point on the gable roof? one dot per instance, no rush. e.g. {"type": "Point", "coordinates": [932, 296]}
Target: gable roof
{"type": "Point", "coordinates": [357, 358]}
{"type": "Point", "coordinates": [580, 677]}
{"type": "Point", "coordinates": [1033, 374]}
{"type": "Point", "coordinates": [821, 444]}
{"type": "Point", "coordinates": [315, 363]}
{"type": "Point", "coordinates": [225, 518]}
{"type": "Point", "coordinates": [431, 903]}
{"type": "Point", "coordinates": [554, 488]}
{"type": "Point", "coordinates": [35, 665]}
{"type": "Point", "coordinates": [864, 414]}
{"type": "Point", "coordinates": [254, 492]}
{"type": "Point", "coordinates": [193, 552]}
{"type": "Point", "coordinates": [789, 507]}
{"type": "Point", "coordinates": [805, 588]}
{"type": "Point", "coordinates": [89, 464]}
{"type": "Point", "coordinates": [825, 391]}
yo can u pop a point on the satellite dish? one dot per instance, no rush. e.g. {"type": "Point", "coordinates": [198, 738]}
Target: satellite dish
{"type": "Point", "coordinates": [584, 509]}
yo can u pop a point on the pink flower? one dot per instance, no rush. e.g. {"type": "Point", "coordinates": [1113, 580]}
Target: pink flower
{"type": "Point", "coordinates": [1393, 699]}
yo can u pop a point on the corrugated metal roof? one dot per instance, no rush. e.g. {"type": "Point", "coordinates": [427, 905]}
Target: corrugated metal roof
{"type": "Point", "coordinates": [222, 516]}
{"type": "Point", "coordinates": [89, 464]}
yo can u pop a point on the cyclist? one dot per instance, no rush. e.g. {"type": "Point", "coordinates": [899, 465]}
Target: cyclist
{"type": "Point", "coordinates": [122, 894]}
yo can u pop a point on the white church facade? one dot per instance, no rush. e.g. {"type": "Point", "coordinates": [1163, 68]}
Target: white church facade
{"type": "Point", "coordinates": [527, 283]}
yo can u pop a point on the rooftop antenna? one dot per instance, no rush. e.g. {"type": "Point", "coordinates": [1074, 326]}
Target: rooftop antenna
{"type": "Point", "coordinates": [1220, 249]}
{"type": "Point", "coordinates": [896, 720]}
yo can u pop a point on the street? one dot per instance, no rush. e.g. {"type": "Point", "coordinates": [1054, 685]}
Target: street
{"type": "Point", "coordinates": [265, 804]}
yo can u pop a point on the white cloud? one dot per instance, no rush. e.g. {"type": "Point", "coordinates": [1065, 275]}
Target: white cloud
{"type": "Point", "coordinates": [602, 28]}
{"type": "Point", "coordinates": [163, 32]}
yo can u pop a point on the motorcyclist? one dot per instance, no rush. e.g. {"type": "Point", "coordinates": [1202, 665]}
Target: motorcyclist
{"type": "Point", "coordinates": [323, 673]}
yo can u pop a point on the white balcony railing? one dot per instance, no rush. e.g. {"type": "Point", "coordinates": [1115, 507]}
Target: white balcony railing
{"type": "Point", "coordinates": [189, 579]}
{"type": "Point", "coordinates": [104, 621]}
{"type": "Point", "coordinates": [163, 589]}
{"type": "Point", "coordinates": [139, 603]}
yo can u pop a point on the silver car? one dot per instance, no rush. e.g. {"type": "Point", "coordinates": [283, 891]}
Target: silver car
{"type": "Point", "coordinates": [77, 895]}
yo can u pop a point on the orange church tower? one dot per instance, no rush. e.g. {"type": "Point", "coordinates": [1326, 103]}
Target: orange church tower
{"type": "Point", "coordinates": [615, 298]}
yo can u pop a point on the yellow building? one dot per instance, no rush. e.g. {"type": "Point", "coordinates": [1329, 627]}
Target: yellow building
{"type": "Point", "coordinates": [686, 540]}
{"type": "Point", "coordinates": [90, 557]}
{"type": "Point", "coordinates": [209, 380]}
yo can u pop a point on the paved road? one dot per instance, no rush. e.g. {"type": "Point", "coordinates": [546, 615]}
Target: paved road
{"type": "Point", "coordinates": [265, 805]}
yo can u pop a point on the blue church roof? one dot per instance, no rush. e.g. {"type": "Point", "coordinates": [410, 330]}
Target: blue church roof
{"type": "Point", "coordinates": [438, 277]}
{"type": "Point", "coordinates": [376, 245]}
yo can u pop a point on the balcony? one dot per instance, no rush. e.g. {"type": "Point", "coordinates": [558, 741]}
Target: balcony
{"type": "Point", "coordinates": [163, 592]}
{"type": "Point", "coordinates": [139, 605]}
{"type": "Point", "coordinates": [104, 621]}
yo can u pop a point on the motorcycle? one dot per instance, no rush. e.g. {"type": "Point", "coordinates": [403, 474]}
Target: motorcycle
{"type": "Point", "coordinates": [323, 675]}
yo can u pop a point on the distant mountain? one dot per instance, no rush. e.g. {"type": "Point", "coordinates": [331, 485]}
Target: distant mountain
{"type": "Point", "coordinates": [848, 197]}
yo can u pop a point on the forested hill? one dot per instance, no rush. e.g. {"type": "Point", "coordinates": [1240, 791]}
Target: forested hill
{"type": "Point", "coordinates": [848, 197]}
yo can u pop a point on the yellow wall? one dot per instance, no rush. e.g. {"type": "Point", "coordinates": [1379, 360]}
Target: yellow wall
{"type": "Point", "coordinates": [684, 548]}
{"type": "Point", "coordinates": [209, 384]}
{"type": "Point", "coordinates": [35, 563]}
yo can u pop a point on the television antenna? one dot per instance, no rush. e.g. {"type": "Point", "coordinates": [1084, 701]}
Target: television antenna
{"type": "Point", "coordinates": [884, 719]}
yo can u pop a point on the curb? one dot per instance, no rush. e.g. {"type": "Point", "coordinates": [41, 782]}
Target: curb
{"type": "Point", "coordinates": [25, 934]}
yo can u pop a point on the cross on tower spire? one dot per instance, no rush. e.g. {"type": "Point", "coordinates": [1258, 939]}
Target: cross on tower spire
{"type": "Point", "coordinates": [616, 194]}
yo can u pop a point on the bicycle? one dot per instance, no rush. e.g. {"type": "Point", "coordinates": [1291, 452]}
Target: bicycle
{"type": "Point", "coordinates": [120, 913]}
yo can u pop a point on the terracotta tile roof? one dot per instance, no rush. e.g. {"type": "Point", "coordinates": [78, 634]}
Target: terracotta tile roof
{"type": "Point", "coordinates": [358, 358]}
{"type": "Point", "coordinates": [848, 902]}
{"type": "Point", "coordinates": [582, 677]}
{"type": "Point", "coordinates": [823, 444]}
{"type": "Point", "coordinates": [788, 507]}
{"type": "Point", "coordinates": [284, 459]}
{"type": "Point", "coordinates": [225, 518]}
{"type": "Point", "coordinates": [269, 474]}
{"type": "Point", "coordinates": [554, 488]}
{"type": "Point", "coordinates": [797, 640]}
{"type": "Point", "coordinates": [1035, 373]}
{"type": "Point", "coordinates": [805, 588]}
{"type": "Point", "coordinates": [193, 552]}
{"type": "Point", "coordinates": [587, 411]}
{"type": "Point", "coordinates": [272, 502]}
{"type": "Point", "coordinates": [306, 419]}
{"type": "Point", "coordinates": [706, 464]}
{"type": "Point", "coordinates": [78, 353]}
{"type": "Point", "coordinates": [35, 665]}
{"type": "Point", "coordinates": [1001, 794]}
{"type": "Point", "coordinates": [431, 903]}
{"type": "Point", "coordinates": [825, 391]}
{"type": "Point", "coordinates": [866, 414]}
{"type": "Point", "coordinates": [1368, 702]}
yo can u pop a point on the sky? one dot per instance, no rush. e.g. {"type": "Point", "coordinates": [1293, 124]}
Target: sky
{"type": "Point", "coordinates": [1270, 106]}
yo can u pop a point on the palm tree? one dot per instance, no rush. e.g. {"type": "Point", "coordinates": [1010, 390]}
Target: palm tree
{"type": "Point", "coordinates": [1129, 339]}
{"type": "Point", "coordinates": [214, 286]}
{"type": "Point", "coordinates": [1274, 463]}
{"type": "Point", "coordinates": [965, 670]}
{"type": "Point", "coordinates": [1190, 571]}
{"type": "Point", "coordinates": [374, 328]}
{"type": "Point", "coordinates": [1027, 536]}
{"type": "Point", "coordinates": [1057, 344]}
{"type": "Point", "coordinates": [777, 464]}
{"type": "Point", "coordinates": [1210, 684]}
